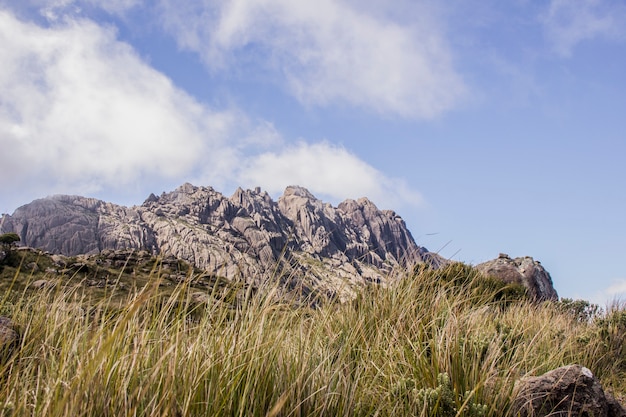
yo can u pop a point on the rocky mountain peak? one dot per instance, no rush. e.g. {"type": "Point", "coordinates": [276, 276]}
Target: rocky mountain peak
{"type": "Point", "coordinates": [253, 201]}
{"type": "Point", "coordinates": [296, 200]}
{"type": "Point", "coordinates": [296, 190]}
{"type": "Point", "coordinates": [248, 235]}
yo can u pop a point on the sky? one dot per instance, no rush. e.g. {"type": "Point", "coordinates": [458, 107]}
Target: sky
{"type": "Point", "coordinates": [489, 126]}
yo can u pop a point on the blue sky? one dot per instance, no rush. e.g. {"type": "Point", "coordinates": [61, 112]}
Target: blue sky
{"type": "Point", "coordinates": [488, 126]}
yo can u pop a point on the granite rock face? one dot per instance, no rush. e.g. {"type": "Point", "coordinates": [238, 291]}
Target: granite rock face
{"type": "Point", "coordinates": [524, 271]}
{"type": "Point", "coordinates": [299, 238]}
{"type": "Point", "coordinates": [77, 225]}
{"type": "Point", "coordinates": [567, 391]}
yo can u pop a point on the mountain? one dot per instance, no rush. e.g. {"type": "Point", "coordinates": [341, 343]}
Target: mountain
{"type": "Point", "coordinates": [303, 241]}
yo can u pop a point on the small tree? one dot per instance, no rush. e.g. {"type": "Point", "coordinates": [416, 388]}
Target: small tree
{"type": "Point", "coordinates": [8, 239]}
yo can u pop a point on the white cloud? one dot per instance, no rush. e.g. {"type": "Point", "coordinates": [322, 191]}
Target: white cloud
{"type": "Point", "coordinates": [327, 170]}
{"type": "Point", "coordinates": [80, 111]}
{"type": "Point", "coordinates": [570, 22]}
{"type": "Point", "coordinates": [327, 51]}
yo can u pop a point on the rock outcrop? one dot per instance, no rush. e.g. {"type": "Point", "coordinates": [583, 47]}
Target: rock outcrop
{"type": "Point", "coordinates": [299, 238]}
{"type": "Point", "coordinates": [567, 391]}
{"type": "Point", "coordinates": [524, 271]}
{"type": "Point", "coordinates": [9, 336]}
{"type": "Point", "coordinates": [75, 225]}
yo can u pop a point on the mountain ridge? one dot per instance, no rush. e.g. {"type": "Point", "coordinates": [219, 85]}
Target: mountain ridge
{"type": "Point", "coordinates": [247, 235]}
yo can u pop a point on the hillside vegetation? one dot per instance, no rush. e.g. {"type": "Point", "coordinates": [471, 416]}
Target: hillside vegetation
{"type": "Point", "coordinates": [446, 342]}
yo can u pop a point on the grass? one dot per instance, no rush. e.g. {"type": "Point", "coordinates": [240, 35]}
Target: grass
{"type": "Point", "coordinates": [437, 343]}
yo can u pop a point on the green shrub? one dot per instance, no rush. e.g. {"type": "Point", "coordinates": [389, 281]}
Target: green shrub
{"type": "Point", "coordinates": [8, 239]}
{"type": "Point", "coordinates": [441, 401]}
{"type": "Point", "coordinates": [476, 287]}
{"type": "Point", "coordinates": [580, 310]}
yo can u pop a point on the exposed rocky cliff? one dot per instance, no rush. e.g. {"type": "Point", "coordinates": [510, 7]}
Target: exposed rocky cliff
{"type": "Point", "coordinates": [299, 238]}
{"type": "Point", "coordinates": [524, 271]}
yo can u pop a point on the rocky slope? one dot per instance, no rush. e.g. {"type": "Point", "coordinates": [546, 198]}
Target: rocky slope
{"type": "Point", "coordinates": [303, 241]}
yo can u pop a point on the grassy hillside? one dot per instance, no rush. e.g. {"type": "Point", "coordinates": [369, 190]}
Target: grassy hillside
{"type": "Point", "coordinates": [437, 343]}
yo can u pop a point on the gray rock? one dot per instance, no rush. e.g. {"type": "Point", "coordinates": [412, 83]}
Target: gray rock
{"type": "Point", "coordinates": [524, 271]}
{"type": "Point", "coordinates": [73, 225]}
{"type": "Point", "coordinates": [59, 260]}
{"type": "Point", "coordinates": [567, 391]}
{"type": "Point", "coordinates": [199, 298]}
{"type": "Point", "coordinates": [32, 266]}
{"type": "Point", "coordinates": [41, 284]}
{"type": "Point", "coordinates": [9, 336]}
{"type": "Point", "coordinates": [299, 239]}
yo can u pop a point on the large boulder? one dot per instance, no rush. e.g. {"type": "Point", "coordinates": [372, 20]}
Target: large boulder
{"type": "Point", "coordinates": [524, 271]}
{"type": "Point", "coordinates": [567, 391]}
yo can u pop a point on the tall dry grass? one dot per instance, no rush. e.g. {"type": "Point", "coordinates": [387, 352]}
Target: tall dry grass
{"type": "Point", "coordinates": [436, 343]}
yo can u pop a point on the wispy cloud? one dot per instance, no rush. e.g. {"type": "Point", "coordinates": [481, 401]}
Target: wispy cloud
{"type": "Point", "coordinates": [56, 9]}
{"type": "Point", "coordinates": [618, 288]}
{"type": "Point", "coordinates": [327, 170]}
{"type": "Point", "coordinates": [327, 51]}
{"type": "Point", "coordinates": [82, 113]}
{"type": "Point", "coordinates": [615, 291]}
{"type": "Point", "coordinates": [570, 22]}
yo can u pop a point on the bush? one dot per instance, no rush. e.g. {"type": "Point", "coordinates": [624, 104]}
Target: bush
{"type": "Point", "coordinates": [441, 401]}
{"type": "Point", "coordinates": [478, 288]}
{"type": "Point", "coordinates": [8, 239]}
{"type": "Point", "coordinates": [581, 310]}
{"type": "Point", "coordinates": [612, 332]}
